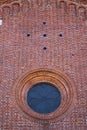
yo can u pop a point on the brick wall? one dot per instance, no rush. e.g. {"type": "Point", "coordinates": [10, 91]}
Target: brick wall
{"type": "Point", "coordinates": [26, 43]}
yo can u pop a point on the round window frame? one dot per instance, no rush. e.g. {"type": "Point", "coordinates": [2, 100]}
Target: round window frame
{"type": "Point", "coordinates": [56, 78]}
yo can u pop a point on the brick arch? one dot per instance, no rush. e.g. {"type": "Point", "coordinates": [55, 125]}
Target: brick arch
{"type": "Point", "coordinates": [0, 13]}
{"type": "Point", "coordinates": [62, 4]}
{"type": "Point", "coordinates": [15, 8]}
{"type": "Point", "coordinates": [82, 12]}
{"type": "Point", "coordinates": [28, 4]}
{"type": "Point", "coordinates": [72, 9]}
{"type": "Point", "coordinates": [6, 10]}
{"type": "Point", "coordinates": [25, 5]}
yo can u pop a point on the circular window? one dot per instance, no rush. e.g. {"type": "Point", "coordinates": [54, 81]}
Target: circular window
{"type": "Point", "coordinates": [44, 98]}
{"type": "Point", "coordinates": [44, 94]}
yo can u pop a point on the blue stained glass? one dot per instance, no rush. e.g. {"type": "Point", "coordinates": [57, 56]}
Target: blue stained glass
{"type": "Point", "coordinates": [44, 98]}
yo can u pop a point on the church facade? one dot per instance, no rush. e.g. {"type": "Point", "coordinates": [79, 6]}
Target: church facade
{"type": "Point", "coordinates": [43, 65]}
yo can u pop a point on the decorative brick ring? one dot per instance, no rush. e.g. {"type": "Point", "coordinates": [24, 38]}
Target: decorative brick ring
{"type": "Point", "coordinates": [47, 76]}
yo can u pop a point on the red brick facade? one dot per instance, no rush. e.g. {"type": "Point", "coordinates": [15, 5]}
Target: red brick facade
{"type": "Point", "coordinates": [43, 35]}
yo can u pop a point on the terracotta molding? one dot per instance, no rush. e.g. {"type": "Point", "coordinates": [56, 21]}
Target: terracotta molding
{"type": "Point", "coordinates": [58, 79]}
{"type": "Point", "coordinates": [38, 4]}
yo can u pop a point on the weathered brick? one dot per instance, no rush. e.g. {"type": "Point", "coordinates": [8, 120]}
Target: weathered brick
{"type": "Point", "coordinates": [65, 50]}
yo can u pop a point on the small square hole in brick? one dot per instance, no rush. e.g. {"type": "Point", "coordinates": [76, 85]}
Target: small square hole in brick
{"type": "Point", "coordinates": [28, 35]}
{"type": "Point", "coordinates": [44, 35]}
{"type": "Point", "coordinates": [44, 23]}
{"type": "Point", "coordinates": [60, 35]}
{"type": "Point", "coordinates": [44, 48]}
